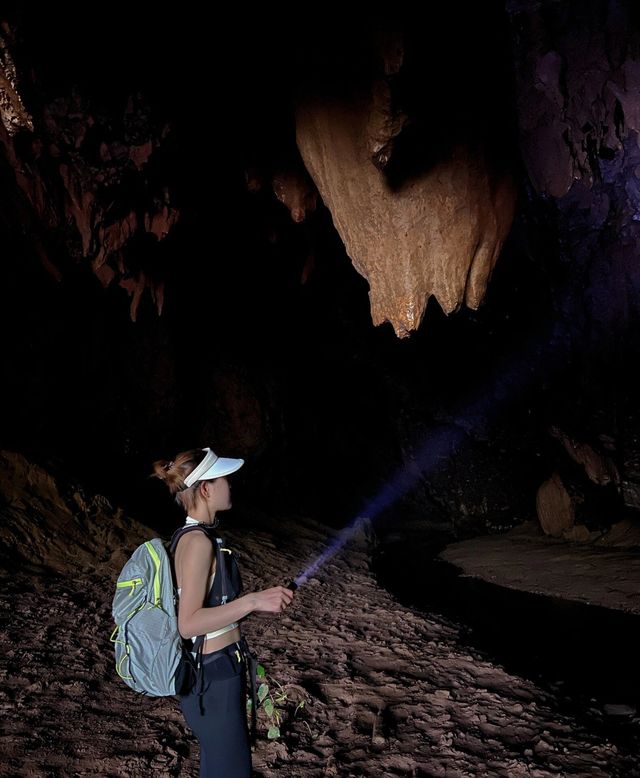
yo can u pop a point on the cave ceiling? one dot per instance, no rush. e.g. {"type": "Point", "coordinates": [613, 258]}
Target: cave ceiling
{"type": "Point", "coordinates": [422, 141]}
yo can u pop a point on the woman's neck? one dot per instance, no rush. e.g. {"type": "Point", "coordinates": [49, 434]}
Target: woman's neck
{"type": "Point", "coordinates": [202, 515]}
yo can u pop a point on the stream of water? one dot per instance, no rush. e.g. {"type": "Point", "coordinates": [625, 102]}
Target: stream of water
{"type": "Point", "coordinates": [587, 657]}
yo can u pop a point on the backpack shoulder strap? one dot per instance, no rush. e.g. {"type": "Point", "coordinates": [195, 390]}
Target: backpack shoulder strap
{"type": "Point", "coordinates": [173, 544]}
{"type": "Point", "coordinates": [217, 545]}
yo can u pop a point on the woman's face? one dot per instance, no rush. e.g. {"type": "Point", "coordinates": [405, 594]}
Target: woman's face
{"type": "Point", "coordinates": [218, 494]}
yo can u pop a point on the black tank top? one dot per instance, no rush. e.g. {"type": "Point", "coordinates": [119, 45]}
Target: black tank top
{"type": "Point", "coordinates": [232, 579]}
{"type": "Point", "coordinates": [227, 579]}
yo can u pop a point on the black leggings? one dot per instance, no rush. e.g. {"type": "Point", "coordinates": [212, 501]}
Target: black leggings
{"type": "Point", "coordinates": [219, 719]}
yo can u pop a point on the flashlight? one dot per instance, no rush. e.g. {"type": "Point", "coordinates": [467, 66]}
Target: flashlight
{"type": "Point", "coordinates": [292, 585]}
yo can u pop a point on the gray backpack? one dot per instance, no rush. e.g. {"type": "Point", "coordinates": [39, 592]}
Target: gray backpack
{"type": "Point", "coordinates": [150, 653]}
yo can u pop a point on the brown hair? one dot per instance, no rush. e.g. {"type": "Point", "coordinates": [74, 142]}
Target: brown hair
{"type": "Point", "coordinates": [175, 471]}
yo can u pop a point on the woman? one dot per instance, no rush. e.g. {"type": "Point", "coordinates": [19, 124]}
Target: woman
{"type": "Point", "coordinates": [211, 605]}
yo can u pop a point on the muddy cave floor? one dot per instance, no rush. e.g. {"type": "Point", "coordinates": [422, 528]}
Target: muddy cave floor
{"type": "Point", "coordinates": [389, 689]}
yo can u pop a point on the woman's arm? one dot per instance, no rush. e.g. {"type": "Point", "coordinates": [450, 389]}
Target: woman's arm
{"type": "Point", "coordinates": [194, 556]}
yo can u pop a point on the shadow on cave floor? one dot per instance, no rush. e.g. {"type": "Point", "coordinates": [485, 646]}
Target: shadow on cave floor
{"type": "Point", "coordinates": [585, 656]}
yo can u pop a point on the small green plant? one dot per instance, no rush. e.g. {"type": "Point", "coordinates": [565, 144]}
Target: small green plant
{"type": "Point", "coordinates": [279, 703]}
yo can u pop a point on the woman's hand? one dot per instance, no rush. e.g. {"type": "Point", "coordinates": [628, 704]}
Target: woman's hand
{"type": "Point", "coordinates": [273, 600]}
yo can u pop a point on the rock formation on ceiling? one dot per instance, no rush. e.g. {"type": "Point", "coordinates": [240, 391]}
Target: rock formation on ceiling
{"type": "Point", "coordinates": [86, 188]}
{"type": "Point", "coordinates": [436, 231]}
{"type": "Point", "coordinates": [577, 90]}
{"type": "Point", "coordinates": [13, 114]}
{"type": "Point", "coordinates": [440, 234]}
{"type": "Point", "coordinates": [418, 218]}
{"type": "Point", "coordinates": [577, 72]}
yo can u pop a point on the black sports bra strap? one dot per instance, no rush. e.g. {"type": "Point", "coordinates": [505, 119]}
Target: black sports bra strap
{"type": "Point", "coordinates": [183, 531]}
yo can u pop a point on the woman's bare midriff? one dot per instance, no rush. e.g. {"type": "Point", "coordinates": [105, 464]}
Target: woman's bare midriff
{"type": "Point", "coordinates": [215, 644]}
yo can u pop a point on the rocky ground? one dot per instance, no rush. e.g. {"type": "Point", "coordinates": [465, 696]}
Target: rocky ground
{"type": "Point", "coordinates": [387, 690]}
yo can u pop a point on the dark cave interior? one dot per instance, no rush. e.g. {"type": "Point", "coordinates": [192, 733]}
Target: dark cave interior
{"type": "Point", "coordinates": [265, 343]}
{"type": "Point", "coordinates": [201, 235]}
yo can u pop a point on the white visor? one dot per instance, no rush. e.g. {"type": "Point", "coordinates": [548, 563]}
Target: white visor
{"type": "Point", "coordinates": [212, 466]}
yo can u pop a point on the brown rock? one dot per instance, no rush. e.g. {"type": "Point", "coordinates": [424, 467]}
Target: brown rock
{"type": "Point", "coordinates": [578, 533]}
{"type": "Point", "coordinates": [600, 469]}
{"type": "Point", "coordinates": [623, 534]}
{"type": "Point", "coordinates": [439, 233]}
{"type": "Point", "coordinates": [78, 203]}
{"type": "Point", "coordinates": [555, 507]}
{"type": "Point", "coordinates": [43, 528]}
{"type": "Point", "coordinates": [13, 114]}
{"type": "Point", "coordinates": [294, 189]}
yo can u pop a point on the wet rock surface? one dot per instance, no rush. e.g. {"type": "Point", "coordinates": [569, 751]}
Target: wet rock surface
{"type": "Point", "coordinates": [600, 568]}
